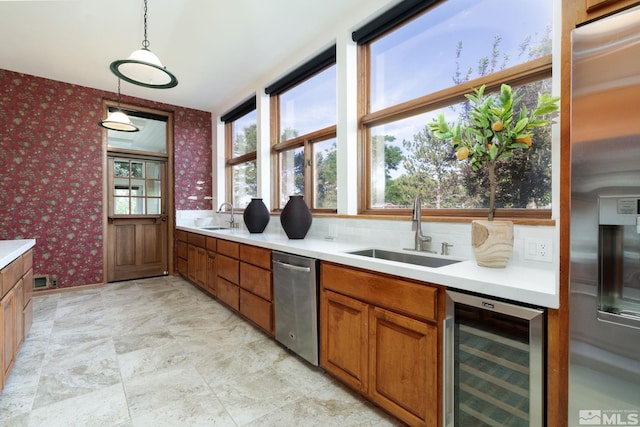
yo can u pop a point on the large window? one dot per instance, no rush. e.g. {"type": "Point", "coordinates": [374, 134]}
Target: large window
{"type": "Point", "coordinates": [304, 131]}
{"type": "Point", "coordinates": [425, 66]}
{"type": "Point", "coordinates": [241, 143]}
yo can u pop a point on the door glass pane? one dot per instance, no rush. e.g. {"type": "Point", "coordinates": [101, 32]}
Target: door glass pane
{"type": "Point", "coordinates": [325, 178]}
{"type": "Point", "coordinates": [153, 188]}
{"type": "Point", "coordinates": [121, 205]}
{"type": "Point", "coordinates": [153, 170]}
{"type": "Point", "coordinates": [120, 168]}
{"type": "Point", "coordinates": [137, 169]}
{"type": "Point", "coordinates": [292, 169]}
{"type": "Point", "coordinates": [137, 206]}
{"type": "Point", "coordinates": [137, 187]}
{"type": "Point", "coordinates": [153, 207]}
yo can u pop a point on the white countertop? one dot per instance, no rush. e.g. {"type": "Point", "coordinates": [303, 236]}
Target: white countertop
{"type": "Point", "coordinates": [518, 283]}
{"type": "Point", "coordinates": [12, 249]}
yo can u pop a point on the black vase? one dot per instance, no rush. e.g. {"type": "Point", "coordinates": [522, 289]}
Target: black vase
{"type": "Point", "coordinates": [256, 216]}
{"type": "Point", "coordinates": [296, 218]}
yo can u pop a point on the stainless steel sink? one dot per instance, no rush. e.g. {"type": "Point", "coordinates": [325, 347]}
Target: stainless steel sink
{"type": "Point", "coordinates": [407, 258]}
{"type": "Point", "coordinates": [214, 227]}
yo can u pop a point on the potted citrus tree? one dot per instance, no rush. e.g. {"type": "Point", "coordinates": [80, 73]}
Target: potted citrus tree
{"type": "Point", "coordinates": [496, 126]}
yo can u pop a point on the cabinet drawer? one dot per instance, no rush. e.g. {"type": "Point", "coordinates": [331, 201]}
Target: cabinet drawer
{"type": "Point", "coordinates": [399, 295]}
{"type": "Point", "coordinates": [256, 309]}
{"type": "Point", "coordinates": [227, 292]}
{"type": "Point", "coordinates": [256, 280]}
{"type": "Point", "coordinates": [181, 235]}
{"type": "Point", "coordinates": [256, 256]}
{"type": "Point", "coordinates": [197, 240]}
{"type": "Point", "coordinates": [228, 248]}
{"type": "Point", "coordinates": [10, 275]}
{"type": "Point", "coordinates": [27, 261]}
{"type": "Point", "coordinates": [211, 244]}
{"type": "Point", "coordinates": [181, 249]}
{"type": "Point", "coordinates": [228, 268]}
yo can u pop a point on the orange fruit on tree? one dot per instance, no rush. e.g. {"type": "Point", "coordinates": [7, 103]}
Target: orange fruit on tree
{"type": "Point", "coordinates": [525, 140]}
{"type": "Point", "coordinates": [497, 126]}
{"type": "Point", "coordinates": [462, 153]}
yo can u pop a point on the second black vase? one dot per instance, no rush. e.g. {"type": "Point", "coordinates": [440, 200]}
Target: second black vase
{"type": "Point", "coordinates": [296, 218]}
{"type": "Point", "coordinates": [256, 216]}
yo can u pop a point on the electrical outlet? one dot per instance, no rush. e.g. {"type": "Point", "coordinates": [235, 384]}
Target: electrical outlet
{"type": "Point", "coordinates": [536, 249]}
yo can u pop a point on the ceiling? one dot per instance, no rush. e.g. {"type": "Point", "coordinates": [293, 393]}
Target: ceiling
{"type": "Point", "coordinates": [220, 51]}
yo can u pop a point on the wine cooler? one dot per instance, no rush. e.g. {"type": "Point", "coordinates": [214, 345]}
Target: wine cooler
{"type": "Point", "coordinates": [494, 363]}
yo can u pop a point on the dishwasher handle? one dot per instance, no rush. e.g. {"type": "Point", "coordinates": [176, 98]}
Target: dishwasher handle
{"type": "Point", "coordinates": [292, 267]}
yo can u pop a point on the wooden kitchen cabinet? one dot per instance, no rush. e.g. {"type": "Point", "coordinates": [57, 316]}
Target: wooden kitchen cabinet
{"type": "Point", "coordinates": [588, 10]}
{"type": "Point", "coordinates": [16, 288]}
{"type": "Point", "coordinates": [379, 335]}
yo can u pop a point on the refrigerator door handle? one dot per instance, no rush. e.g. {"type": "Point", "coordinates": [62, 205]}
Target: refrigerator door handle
{"type": "Point", "coordinates": [629, 320]}
{"type": "Point", "coordinates": [447, 372]}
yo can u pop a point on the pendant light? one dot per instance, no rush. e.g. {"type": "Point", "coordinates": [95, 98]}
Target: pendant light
{"type": "Point", "coordinates": [118, 120]}
{"type": "Point", "coordinates": [143, 67]}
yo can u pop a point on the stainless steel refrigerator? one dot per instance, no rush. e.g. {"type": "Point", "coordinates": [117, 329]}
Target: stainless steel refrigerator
{"type": "Point", "coordinates": [604, 368]}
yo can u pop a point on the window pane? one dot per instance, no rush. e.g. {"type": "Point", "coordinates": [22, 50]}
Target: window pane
{"type": "Point", "coordinates": [405, 160]}
{"type": "Point", "coordinates": [292, 174]}
{"type": "Point", "coordinates": [151, 138]}
{"type": "Point", "coordinates": [245, 184]}
{"type": "Point", "coordinates": [325, 178]}
{"type": "Point", "coordinates": [244, 134]}
{"type": "Point", "coordinates": [309, 106]}
{"type": "Point", "coordinates": [456, 41]}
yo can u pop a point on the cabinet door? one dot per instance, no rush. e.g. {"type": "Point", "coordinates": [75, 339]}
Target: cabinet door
{"type": "Point", "coordinates": [228, 293]}
{"type": "Point", "coordinates": [228, 268]}
{"type": "Point", "coordinates": [201, 268]}
{"type": "Point", "coordinates": [18, 312]}
{"type": "Point", "coordinates": [212, 273]}
{"type": "Point", "coordinates": [404, 367]}
{"type": "Point", "coordinates": [344, 325]}
{"type": "Point", "coordinates": [191, 263]}
{"type": "Point", "coordinates": [7, 307]}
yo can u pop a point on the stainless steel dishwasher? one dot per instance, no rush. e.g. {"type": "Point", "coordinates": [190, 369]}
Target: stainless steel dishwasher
{"type": "Point", "coordinates": [295, 293]}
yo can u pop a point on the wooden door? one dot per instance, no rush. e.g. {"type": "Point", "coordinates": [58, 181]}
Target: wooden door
{"type": "Point", "coordinates": [137, 227]}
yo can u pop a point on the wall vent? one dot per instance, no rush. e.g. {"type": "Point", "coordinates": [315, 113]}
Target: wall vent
{"type": "Point", "coordinates": [42, 281]}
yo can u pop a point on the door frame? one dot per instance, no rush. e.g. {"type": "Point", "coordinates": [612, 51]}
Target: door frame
{"type": "Point", "coordinates": [170, 196]}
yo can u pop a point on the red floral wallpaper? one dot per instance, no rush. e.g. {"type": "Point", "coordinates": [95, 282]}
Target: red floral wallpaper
{"type": "Point", "coordinates": [51, 170]}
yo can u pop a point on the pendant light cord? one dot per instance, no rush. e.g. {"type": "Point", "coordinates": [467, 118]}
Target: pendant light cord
{"type": "Point", "coordinates": [145, 42]}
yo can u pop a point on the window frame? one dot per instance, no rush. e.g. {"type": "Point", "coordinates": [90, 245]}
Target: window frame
{"type": "Point", "coordinates": [526, 72]}
{"type": "Point", "coordinates": [305, 141]}
{"type": "Point", "coordinates": [229, 120]}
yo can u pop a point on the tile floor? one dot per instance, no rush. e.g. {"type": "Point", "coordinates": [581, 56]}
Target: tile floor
{"type": "Point", "coordinates": [158, 352]}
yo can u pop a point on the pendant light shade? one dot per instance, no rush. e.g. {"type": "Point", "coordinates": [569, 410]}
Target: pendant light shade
{"type": "Point", "coordinates": [117, 120]}
{"type": "Point", "coordinates": [143, 68]}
